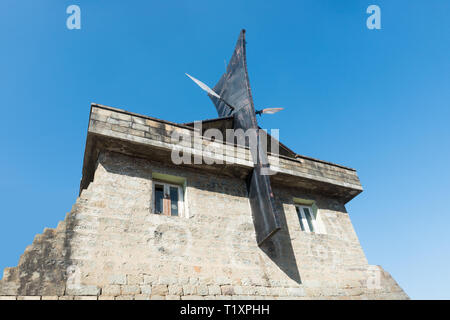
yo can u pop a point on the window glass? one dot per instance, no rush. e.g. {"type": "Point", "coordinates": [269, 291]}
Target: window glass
{"type": "Point", "coordinates": [300, 218]}
{"type": "Point", "coordinates": [308, 219]}
{"type": "Point", "coordinates": [174, 201]}
{"type": "Point", "coordinates": [159, 196]}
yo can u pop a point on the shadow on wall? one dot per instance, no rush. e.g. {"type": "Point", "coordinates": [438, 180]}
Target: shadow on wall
{"type": "Point", "coordinates": [279, 249]}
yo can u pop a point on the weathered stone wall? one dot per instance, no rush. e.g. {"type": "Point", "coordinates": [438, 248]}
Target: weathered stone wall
{"type": "Point", "coordinates": [111, 246]}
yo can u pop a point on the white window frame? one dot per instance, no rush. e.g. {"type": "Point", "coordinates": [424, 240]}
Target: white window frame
{"type": "Point", "coordinates": [166, 186]}
{"type": "Point", "coordinates": [300, 209]}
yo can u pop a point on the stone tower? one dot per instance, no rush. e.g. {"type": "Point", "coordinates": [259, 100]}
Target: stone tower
{"type": "Point", "coordinates": [145, 228]}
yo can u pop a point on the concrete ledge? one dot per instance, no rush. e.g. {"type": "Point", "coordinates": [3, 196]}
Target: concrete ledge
{"type": "Point", "coordinates": [137, 135]}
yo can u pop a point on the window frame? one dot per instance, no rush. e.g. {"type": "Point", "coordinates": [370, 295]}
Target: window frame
{"type": "Point", "coordinates": [166, 189]}
{"type": "Point", "coordinates": [304, 224]}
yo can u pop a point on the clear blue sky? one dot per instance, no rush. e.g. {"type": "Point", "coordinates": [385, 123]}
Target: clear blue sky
{"type": "Point", "coordinates": [375, 100]}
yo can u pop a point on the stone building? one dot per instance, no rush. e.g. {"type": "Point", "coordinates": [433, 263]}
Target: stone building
{"type": "Point", "coordinates": [145, 228]}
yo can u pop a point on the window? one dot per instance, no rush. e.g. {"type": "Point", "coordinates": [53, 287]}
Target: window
{"type": "Point", "coordinates": [167, 199]}
{"type": "Point", "coordinates": [306, 218]}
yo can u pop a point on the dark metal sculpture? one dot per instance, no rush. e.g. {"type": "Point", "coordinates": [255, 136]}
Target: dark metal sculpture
{"type": "Point", "coordinates": [232, 97]}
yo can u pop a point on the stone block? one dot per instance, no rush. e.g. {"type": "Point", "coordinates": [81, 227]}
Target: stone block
{"type": "Point", "coordinates": [135, 279]}
{"type": "Point", "coordinates": [160, 290]}
{"type": "Point", "coordinates": [150, 279]}
{"type": "Point", "coordinates": [222, 297]}
{"type": "Point", "coordinates": [295, 292]}
{"type": "Point", "coordinates": [29, 298]}
{"type": "Point", "coordinates": [126, 297]}
{"type": "Point", "coordinates": [130, 289]}
{"type": "Point", "coordinates": [146, 289]}
{"type": "Point", "coordinates": [192, 298]}
{"type": "Point", "coordinates": [118, 279]}
{"type": "Point", "coordinates": [183, 281]}
{"type": "Point", "coordinates": [167, 280]}
{"type": "Point", "coordinates": [85, 298]}
{"type": "Point", "coordinates": [189, 290]}
{"type": "Point", "coordinates": [142, 297]}
{"type": "Point", "coordinates": [261, 291]}
{"type": "Point", "coordinates": [136, 119]}
{"type": "Point", "coordinates": [214, 290]}
{"type": "Point", "coordinates": [202, 290]}
{"type": "Point", "coordinates": [141, 127]}
{"type": "Point", "coordinates": [111, 290]}
{"type": "Point", "coordinates": [175, 290]}
{"type": "Point", "coordinates": [227, 290]}
{"type": "Point", "coordinates": [222, 280]}
{"type": "Point", "coordinates": [83, 290]}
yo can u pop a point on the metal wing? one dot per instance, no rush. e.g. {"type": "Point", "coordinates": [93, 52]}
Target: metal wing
{"type": "Point", "coordinates": [203, 86]}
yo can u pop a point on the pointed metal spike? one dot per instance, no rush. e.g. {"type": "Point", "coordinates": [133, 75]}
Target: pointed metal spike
{"type": "Point", "coordinates": [203, 86]}
{"type": "Point", "coordinates": [270, 110]}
